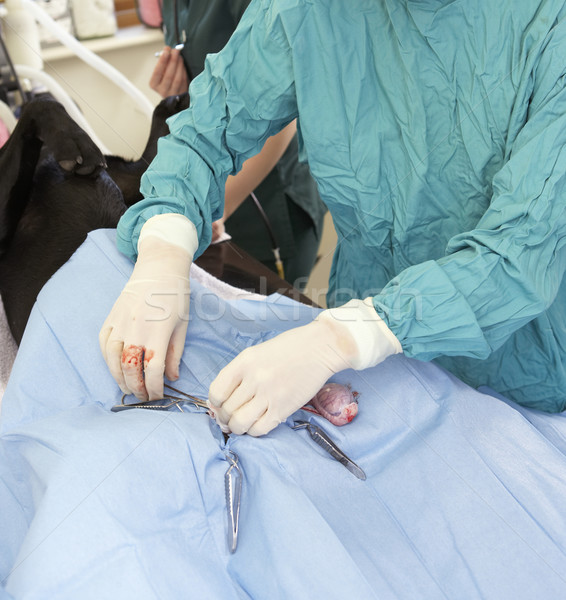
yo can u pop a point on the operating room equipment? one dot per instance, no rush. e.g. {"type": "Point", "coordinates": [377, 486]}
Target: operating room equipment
{"type": "Point", "coordinates": [29, 72]}
{"type": "Point", "coordinates": [319, 436]}
{"type": "Point", "coordinates": [274, 243]}
{"type": "Point", "coordinates": [168, 401]}
{"type": "Point", "coordinates": [14, 71]}
{"type": "Point", "coordinates": [233, 491]}
{"type": "Point", "coordinates": [12, 93]}
{"type": "Point", "coordinates": [21, 34]}
{"type": "Point", "coordinates": [148, 404]}
{"type": "Point", "coordinates": [89, 57]}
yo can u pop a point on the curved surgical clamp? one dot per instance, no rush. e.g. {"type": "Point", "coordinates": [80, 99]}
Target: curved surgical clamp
{"type": "Point", "coordinates": [319, 436]}
{"type": "Point", "coordinates": [158, 404]}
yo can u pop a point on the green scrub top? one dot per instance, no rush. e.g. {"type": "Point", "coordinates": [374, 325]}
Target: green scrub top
{"type": "Point", "coordinates": [204, 26]}
{"type": "Point", "coordinates": [436, 131]}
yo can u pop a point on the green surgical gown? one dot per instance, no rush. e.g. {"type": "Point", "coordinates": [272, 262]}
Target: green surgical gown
{"type": "Point", "coordinates": [436, 132]}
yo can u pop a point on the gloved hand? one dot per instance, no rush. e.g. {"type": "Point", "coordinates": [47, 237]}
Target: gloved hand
{"type": "Point", "coordinates": [266, 383]}
{"type": "Point", "coordinates": [144, 335]}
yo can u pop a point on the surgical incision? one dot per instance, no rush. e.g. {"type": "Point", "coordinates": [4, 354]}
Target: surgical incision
{"type": "Point", "coordinates": [335, 402]}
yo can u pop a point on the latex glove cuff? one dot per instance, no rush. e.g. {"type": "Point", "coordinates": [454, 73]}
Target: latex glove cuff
{"type": "Point", "coordinates": [172, 228]}
{"type": "Point", "coordinates": [373, 340]}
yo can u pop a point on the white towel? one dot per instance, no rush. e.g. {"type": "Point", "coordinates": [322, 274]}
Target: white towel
{"type": "Point", "coordinates": [224, 290]}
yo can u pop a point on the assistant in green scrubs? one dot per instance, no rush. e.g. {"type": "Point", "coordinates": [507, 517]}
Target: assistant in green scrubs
{"type": "Point", "coordinates": [436, 131]}
{"type": "Point", "coordinates": [288, 194]}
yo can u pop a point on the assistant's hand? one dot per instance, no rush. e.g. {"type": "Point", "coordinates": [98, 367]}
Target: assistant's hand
{"type": "Point", "coordinates": [169, 77]}
{"type": "Point", "coordinates": [266, 383]}
{"type": "Point", "coordinates": [144, 335]}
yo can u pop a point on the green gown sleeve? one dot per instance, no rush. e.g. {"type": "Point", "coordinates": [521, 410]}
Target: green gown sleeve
{"type": "Point", "coordinates": [507, 271]}
{"type": "Point", "coordinates": [245, 94]}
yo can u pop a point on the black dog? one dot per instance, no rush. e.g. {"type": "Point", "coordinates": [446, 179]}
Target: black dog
{"type": "Point", "coordinates": [56, 188]}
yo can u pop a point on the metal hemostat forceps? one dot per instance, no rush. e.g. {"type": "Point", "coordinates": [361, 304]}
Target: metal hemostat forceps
{"type": "Point", "coordinates": [160, 405]}
{"type": "Point", "coordinates": [232, 477]}
{"type": "Point", "coordinates": [319, 436]}
{"type": "Point", "coordinates": [233, 490]}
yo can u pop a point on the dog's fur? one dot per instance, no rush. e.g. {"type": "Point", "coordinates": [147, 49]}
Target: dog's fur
{"type": "Point", "coordinates": [56, 186]}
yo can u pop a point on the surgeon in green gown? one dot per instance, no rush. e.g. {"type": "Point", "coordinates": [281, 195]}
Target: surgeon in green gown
{"type": "Point", "coordinates": [280, 181]}
{"type": "Point", "coordinates": [436, 132]}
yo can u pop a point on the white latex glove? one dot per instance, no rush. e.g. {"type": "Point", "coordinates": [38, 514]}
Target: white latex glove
{"type": "Point", "coordinates": [267, 383]}
{"type": "Point", "coordinates": [144, 335]}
